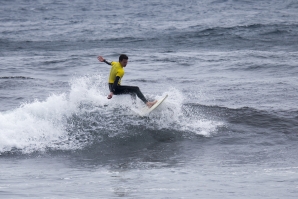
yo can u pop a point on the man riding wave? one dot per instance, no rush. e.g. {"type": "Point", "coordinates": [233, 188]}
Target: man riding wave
{"type": "Point", "coordinates": [116, 74]}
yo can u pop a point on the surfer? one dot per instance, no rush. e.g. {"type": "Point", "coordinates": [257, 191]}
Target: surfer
{"type": "Point", "coordinates": [116, 74]}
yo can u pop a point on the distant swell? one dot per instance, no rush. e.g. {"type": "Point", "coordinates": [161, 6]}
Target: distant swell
{"type": "Point", "coordinates": [254, 36]}
{"type": "Point", "coordinates": [259, 120]}
{"type": "Point", "coordinates": [16, 77]}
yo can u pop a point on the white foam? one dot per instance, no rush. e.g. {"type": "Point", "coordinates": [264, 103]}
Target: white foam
{"type": "Point", "coordinates": [41, 124]}
{"type": "Point", "coordinates": [33, 126]}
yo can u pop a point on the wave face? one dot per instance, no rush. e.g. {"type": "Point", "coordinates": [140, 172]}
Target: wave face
{"type": "Point", "coordinates": [84, 118]}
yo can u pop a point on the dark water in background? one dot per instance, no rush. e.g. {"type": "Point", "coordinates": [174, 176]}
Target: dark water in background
{"type": "Point", "coordinates": [227, 130]}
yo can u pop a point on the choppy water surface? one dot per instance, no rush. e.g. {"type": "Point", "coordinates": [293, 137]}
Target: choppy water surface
{"type": "Point", "coordinates": [227, 130]}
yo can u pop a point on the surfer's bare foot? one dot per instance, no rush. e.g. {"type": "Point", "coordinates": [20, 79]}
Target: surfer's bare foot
{"type": "Point", "coordinates": [150, 104]}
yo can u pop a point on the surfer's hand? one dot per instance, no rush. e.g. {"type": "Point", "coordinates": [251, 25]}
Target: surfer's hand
{"type": "Point", "coordinates": [110, 95]}
{"type": "Point", "coordinates": [100, 58]}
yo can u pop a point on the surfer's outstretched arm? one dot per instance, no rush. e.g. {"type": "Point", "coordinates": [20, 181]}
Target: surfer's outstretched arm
{"type": "Point", "coordinates": [101, 59]}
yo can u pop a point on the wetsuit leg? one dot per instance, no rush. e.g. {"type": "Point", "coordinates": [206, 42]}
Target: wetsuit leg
{"type": "Point", "coordinates": [132, 90]}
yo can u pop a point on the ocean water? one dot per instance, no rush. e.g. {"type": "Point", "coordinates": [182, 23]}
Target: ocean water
{"type": "Point", "coordinates": [229, 128]}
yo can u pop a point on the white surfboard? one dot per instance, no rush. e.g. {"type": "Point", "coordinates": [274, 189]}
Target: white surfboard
{"type": "Point", "coordinates": [145, 111]}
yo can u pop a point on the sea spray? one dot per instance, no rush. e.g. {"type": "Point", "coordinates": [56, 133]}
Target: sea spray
{"type": "Point", "coordinates": [174, 114]}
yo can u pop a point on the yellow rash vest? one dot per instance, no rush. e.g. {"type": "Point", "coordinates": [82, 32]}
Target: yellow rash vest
{"type": "Point", "coordinates": [116, 70]}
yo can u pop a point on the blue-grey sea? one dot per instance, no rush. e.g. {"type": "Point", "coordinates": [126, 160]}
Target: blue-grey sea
{"type": "Point", "coordinates": [229, 128]}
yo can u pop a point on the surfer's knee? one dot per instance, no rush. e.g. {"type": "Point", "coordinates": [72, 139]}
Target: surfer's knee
{"type": "Point", "coordinates": [137, 89]}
